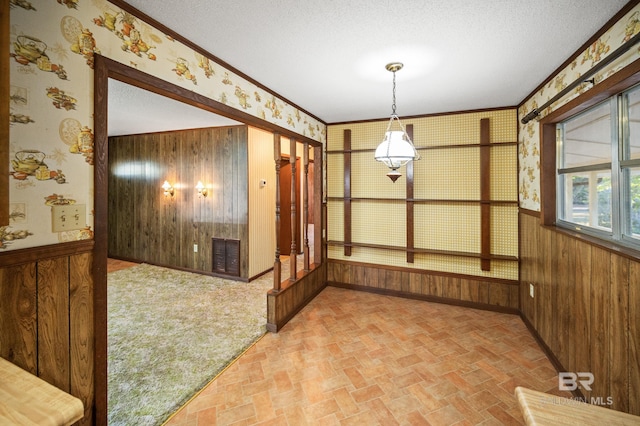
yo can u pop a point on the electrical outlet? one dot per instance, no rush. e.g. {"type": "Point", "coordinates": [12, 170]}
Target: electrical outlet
{"type": "Point", "coordinates": [531, 292]}
{"type": "Point", "coordinates": [68, 218]}
{"type": "Point", "coordinates": [195, 248]}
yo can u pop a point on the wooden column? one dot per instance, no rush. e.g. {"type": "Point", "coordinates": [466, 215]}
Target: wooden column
{"type": "Point", "coordinates": [485, 194]}
{"type": "Point", "coordinates": [305, 212]}
{"type": "Point", "coordinates": [347, 192]}
{"type": "Point", "coordinates": [277, 266]}
{"type": "Point", "coordinates": [410, 221]}
{"type": "Point", "coordinates": [293, 258]}
{"type": "Point", "coordinates": [318, 205]}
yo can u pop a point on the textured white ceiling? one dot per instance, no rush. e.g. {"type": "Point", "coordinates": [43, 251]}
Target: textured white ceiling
{"type": "Point", "coordinates": [133, 110]}
{"type": "Point", "coordinates": [328, 57]}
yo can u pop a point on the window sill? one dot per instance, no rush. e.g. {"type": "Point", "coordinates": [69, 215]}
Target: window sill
{"type": "Point", "coordinates": [618, 249]}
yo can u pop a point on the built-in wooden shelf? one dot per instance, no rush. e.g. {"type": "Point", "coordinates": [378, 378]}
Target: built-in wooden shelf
{"type": "Point", "coordinates": [425, 148]}
{"type": "Point", "coordinates": [425, 200]}
{"type": "Point", "coordinates": [423, 250]}
{"type": "Point", "coordinates": [410, 201]}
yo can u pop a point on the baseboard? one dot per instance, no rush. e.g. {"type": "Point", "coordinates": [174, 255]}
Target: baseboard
{"type": "Point", "coordinates": [549, 353]}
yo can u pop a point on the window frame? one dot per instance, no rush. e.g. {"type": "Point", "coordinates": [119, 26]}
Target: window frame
{"type": "Point", "coordinates": [611, 86]}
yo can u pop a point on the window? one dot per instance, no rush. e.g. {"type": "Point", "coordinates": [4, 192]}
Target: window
{"type": "Point", "coordinates": [598, 169]}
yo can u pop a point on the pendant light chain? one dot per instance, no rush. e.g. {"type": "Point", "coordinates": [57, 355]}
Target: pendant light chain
{"type": "Point", "coordinates": [393, 106]}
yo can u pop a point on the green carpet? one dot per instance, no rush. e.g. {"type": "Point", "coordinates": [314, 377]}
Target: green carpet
{"type": "Point", "coordinates": [170, 333]}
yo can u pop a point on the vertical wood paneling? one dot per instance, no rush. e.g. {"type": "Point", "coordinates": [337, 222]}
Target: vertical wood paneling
{"type": "Point", "coordinates": [46, 318]}
{"type": "Point", "coordinates": [81, 331]}
{"type": "Point", "coordinates": [546, 294]}
{"type": "Point", "coordinates": [18, 316]}
{"type": "Point", "coordinates": [598, 297]}
{"type": "Point", "coordinates": [147, 226]}
{"type": "Point", "coordinates": [581, 333]}
{"type": "Point", "coordinates": [600, 302]}
{"type": "Point", "coordinates": [634, 338]}
{"type": "Point", "coordinates": [53, 322]}
{"type": "Point", "coordinates": [618, 333]}
{"type": "Point", "coordinates": [564, 271]}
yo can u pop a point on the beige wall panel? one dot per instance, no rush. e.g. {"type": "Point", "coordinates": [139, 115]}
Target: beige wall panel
{"type": "Point", "coordinates": [375, 222]}
{"type": "Point", "coordinates": [448, 227]}
{"type": "Point", "coordinates": [262, 202]}
{"type": "Point", "coordinates": [335, 175]}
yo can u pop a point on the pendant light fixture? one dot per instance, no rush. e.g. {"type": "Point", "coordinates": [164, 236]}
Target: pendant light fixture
{"type": "Point", "coordinates": [396, 149]}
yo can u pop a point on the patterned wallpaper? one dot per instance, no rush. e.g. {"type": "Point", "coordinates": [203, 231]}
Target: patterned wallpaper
{"type": "Point", "coordinates": [529, 138]}
{"type": "Point", "coordinates": [51, 104]}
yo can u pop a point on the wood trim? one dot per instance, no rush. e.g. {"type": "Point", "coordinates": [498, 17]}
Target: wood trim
{"type": "Point", "coordinates": [102, 67]}
{"type": "Point", "coordinates": [529, 212]}
{"type": "Point", "coordinates": [427, 298]}
{"type": "Point", "coordinates": [410, 200]}
{"type": "Point", "coordinates": [414, 117]}
{"type": "Point", "coordinates": [305, 205]}
{"type": "Point", "coordinates": [36, 254]}
{"type": "Point", "coordinates": [293, 254]}
{"type": "Point", "coordinates": [485, 193]}
{"type": "Point", "coordinates": [425, 148]}
{"type": "Point", "coordinates": [347, 190]}
{"type": "Point", "coordinates": [4, 113]}
{"type": "Point", "coordinates": [318, 205]}
{"type": "Point", "coordinates": [157, 25]}
{"type": "Point", "coordinates": [277, 266]}
{"type": "Point", "coordinates": [138, 78]}
{"type": "Point", "coordinates": [427, 271]}
{"type": "Point", "coordinates": [581, 49]}
{"type": "Point", "coordinates": [621, 80]}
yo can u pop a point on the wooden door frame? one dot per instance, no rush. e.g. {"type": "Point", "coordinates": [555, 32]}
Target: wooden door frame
{"type": "Point", "coordinates": [105, 68]}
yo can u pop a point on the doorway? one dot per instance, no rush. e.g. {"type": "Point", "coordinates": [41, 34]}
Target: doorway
{"type": "Point", "coordinates": [284, 239]}
{"type": "Point", "coordinates": [104, 69]}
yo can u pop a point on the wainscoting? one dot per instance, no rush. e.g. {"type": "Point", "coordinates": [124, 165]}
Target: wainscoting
{"type": "Point", "coordinates": [46, 316]}
{"type": "Point", "coordinates": [492, 294]}
{"type": "Point", "coordinates": [585, 309]}
{"type": "Point", "coordinates": [284, 304]}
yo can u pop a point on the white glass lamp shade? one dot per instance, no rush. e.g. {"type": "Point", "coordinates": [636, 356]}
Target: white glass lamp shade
{"type": "Point", "coordinates": [395, 150]}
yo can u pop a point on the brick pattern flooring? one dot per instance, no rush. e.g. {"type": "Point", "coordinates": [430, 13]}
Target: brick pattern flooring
{"type": "Point", "coordinates": [354, 358]}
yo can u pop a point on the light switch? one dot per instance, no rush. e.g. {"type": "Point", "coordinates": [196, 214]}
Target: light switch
{"type": "Point", "coordinates": [68, 218]}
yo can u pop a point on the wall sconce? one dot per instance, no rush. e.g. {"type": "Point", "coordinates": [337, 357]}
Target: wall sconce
{"type": "Point", "coordinates": [202, 191]}
{"type": "Point", "coordinates": [168, 189]}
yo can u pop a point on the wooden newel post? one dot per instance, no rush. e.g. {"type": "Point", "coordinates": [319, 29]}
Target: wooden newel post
{"type": "Point", "coordinates": [293, 258]}
{"type": "Point", "coordinates": [277, 266]}
{"type": "Point", "coordinates": [305, 158]}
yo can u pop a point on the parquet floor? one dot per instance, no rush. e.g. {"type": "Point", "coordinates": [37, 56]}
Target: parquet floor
{"type": "Point", "coordinates": [354, 358]}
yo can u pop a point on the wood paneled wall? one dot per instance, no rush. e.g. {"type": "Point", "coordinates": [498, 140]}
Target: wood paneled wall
{"type": "Point", "coordinates": [585, 309]}
{"type": "Point", "coordinates": [491, 294]}
{"type": "Point", "coordinates": [46, 316]}
{"type": "Point", "coordinates": [284, 304]}
{"type": "Point", "coordinates": [147, 226]}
